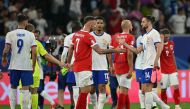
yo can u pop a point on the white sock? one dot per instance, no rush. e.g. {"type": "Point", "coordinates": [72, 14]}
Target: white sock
{"type": "Point", "coordinates": [75, 94]}
{"type": "Point", "coordinates": [142, 99]}
{"type": "Point", "coordinates": [158, 100]}
{"type": "Point", "coordinates": [47, 97]}
{"type": "Point", "coordinates": [25, 99]}
{"type": "Point", "coordinates": [12, 98]}
{"type": "Point", "coordinates": [101, 100]}
{"type": "Point", "coordinates": [148, 100]}
{"type": "Point", "coordinates": [154, 90]}
{"type": "Point", "coordinates": [93, 99]}
{"type": "Point", "coordinates": [29, 104]}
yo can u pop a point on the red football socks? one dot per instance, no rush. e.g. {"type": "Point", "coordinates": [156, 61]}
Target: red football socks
{"type": "Point", "coordinates": [127, 101]}
{"type": "Point", "coordinates": [121, 101]}
{"type": "Point", "coordinates": [164, 96]}
{"type": "Point", "coordinates": [81, 103]}
{"type": "Point", "coordinates": [176, 96]}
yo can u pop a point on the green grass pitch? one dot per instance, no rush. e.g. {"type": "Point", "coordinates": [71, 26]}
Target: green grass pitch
{"type": "Point", "coordinates": [107, 106]}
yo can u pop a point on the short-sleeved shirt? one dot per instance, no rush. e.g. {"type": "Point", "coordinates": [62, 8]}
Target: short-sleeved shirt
{"type": "Point", "coordinates": [83, 43]}
{"type": "Point", "coordinates": [120, 59]}
{"type": "Point", "coordinates": [167, 60]}
{"type": "Point", "coordinates": [99, 62]}
{"type": "Point", "coordinates": [40, 52]}
{"type": "Point", "coordinates": [21, 42]}
{"type": "Point", "coordinates": [139, 58]}
{"type": "Point", "coordinates": [67, 44]}
{"type": "Point", "coordinates": [149, 40]}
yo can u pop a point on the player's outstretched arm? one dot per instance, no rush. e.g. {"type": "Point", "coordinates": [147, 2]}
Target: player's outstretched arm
{"type": "Point", "coordinates": [4, 55]}
{"type": "Point", "coordinates": [130, 63]}
{"type": "Point", "coordinates": [64, 54]}
{"type": "Point", "coordinates": [70, 54]}
{"type": "Point", "coordinates": [159, 48]}
{"type": "Point", "coordinates": [110, 62]}
{"type": "Point", "coordinates": [52, 59]}
{"type": "Point", "coordinates": [107, 51]}
{"type": "Point", "coordinates": [133, 49]}
{"type": "Point", "coordinates": [34, 56]}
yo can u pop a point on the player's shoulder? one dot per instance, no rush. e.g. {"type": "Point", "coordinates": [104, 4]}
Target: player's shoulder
{"type": "Point", "coordinates": [171, 42]}
{"type": "Point", "coordinates": [92, 33]}
{"type": "Point", "coordinates": [69, 37]}
{"type": "Point", "coordinates": [38, 42]}
{"type": "Point", "coordinates": [139, 38]}
{"type": "Point", "coordinates": [131, 36]}
{"type": "Point", "coordinates": [155, 31]}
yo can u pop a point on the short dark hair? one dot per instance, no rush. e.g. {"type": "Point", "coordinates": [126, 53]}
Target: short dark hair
{"type": "Point", "coordinates": [21, 18]}
{"type": "Point", "coordinates": [37, 31]}
{"type": "Point", "coordinates": [150, 18]}
{"type": "Point", "coordinates": [99, 18]}
{"type": "Point", "coordinates": [165, 31]}
{"type": "Point", "coordinates": [88, 18]}
{"type": "Point", "coordinates": [76, 26]}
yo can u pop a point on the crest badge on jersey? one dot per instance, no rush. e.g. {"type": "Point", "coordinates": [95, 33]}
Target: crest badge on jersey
{"type": "Point", "coordinates": [171, 47]}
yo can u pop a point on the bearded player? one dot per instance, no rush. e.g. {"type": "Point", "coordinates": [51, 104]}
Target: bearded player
{"type": "Point", "coordinates": [100, 64]}
{"type": "Point", "coordinates": [169, 69]}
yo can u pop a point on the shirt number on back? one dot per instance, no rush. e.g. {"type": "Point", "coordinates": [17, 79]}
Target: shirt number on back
{"type": "Point", "coordinates": [20, 44]}
{"type": "Point", "coordinates": [77, 40]}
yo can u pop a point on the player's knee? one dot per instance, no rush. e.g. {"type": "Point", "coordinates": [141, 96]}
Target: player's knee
{"type": "Point", "coordinates": [34, 90]}
{"type": "Point", "coordinates": [86, 89]}
{"type": "Point", "coordinates": [25, 87]}
{"type": "Point", "coordinates": [163, 90]}
{"type": "Point", "coordinates": [102, 88]}
{"type": "Point", "coordinates": [13, 87]}
{"type": "Point", "coordinates": [93, 90]}
{"type": "Point", "coordinates": [175, 86]}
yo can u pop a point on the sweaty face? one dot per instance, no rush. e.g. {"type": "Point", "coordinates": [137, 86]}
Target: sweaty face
{"type": "Point", "coordinates": [144, 23]}
{"type": "Point", "coordinates": [99, 25]}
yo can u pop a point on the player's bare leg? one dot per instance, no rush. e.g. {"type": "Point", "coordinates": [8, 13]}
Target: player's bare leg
{"type": "Point", "coordinates": [102, 96]}
{"type": "Point", "coordinates": [60, 97]}
{"type": "Point", "coordinates": [93, 97]}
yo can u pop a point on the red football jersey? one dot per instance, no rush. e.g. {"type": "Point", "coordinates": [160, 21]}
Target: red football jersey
{"type": "Point", "coordinates": [167, 60]}
{"type": "Point", "coordinates": [83, 43]}
{"type": "Point", "coordinates": [120, 59]}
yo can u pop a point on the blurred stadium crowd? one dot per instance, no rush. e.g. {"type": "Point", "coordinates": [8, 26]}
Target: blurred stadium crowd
{"type": "Point", "coordinates": [55, 17]}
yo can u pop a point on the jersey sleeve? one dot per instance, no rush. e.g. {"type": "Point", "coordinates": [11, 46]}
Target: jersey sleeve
{"type": "Point", "coordinates": [41, 49]}
{"type": "Point", "coordinates": [33, 40]}
{"type": "Point", "coordinates": [90, 40]}
{"type": "Point", "coordinates": [156, 38]}
{"type": "Point", "coordinates": [66, 42]}
{"type": "Point", "coordinates": [8, 39]}
{"type": "Point", "coordinates": [109, 41]}
{"type": "Point", "coordinates": [131, 40]}
{"type": "Point", "coordinates": [112, 41]}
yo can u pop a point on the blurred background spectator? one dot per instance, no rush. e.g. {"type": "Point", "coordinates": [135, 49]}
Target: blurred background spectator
{"type": "Point", "coordinates": [48, 15]}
